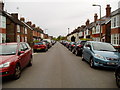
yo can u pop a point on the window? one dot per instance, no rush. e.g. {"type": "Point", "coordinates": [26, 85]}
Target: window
{"type": "Point", "coordinates": [21, 48]}
{"type": "Point", "coordinates": [18, 28]}
{"type": "Point", "coordinates": [115, 39]}
{"type": "Point", "coordinates": [18, 38]}
{"type": "Point", "coordinates": [25, 39]}
{"type": "Point", "coordinates": [81, 34]}
{"type": "Point", "coordinates": [2, 21]}
{"type": "Point", "coordinates": [25, 30]}
{"type": "Point", "coordinates": [115, 21]}
{"type": "Point", "coordinates": [98, 29]}
{"type": "Point", "coordinates": [3, 38]}
{"type": "Point", "coordinates": [93, 30]}
{"type": "Point", "coordinates": [25, 46]}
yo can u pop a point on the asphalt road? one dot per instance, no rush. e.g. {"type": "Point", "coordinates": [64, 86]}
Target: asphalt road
{"type": "Point", "coordinates": [59, 68]}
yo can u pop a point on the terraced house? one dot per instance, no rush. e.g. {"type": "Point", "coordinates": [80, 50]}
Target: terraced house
{"type": "Point", "coordinates": [115, 28]}
{"type": "Point", "coordinates": [2, 24]}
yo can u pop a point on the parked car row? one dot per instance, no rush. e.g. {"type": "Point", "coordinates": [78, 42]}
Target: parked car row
{"type": "Point", "coordinates": [14, 57]}
{"type": "Point", "coordinates": [43, 45]}
{"type": "Point", "coordinates": [97, 54]}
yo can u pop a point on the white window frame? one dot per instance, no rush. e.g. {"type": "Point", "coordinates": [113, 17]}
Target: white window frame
{"type": "Point", "coordinates": [18, 38]}
{"type": "Point", "coordinates": [97, 29]}
{"type": "Point", "coordinates": [25, 38]}
{"type": "Point", "coordinates": [115, 39]}
{"type": "Point", "coordinates": [2, 21]}
{"type": "Point", "coordinates": [115, 21]}
{"type": "Point", "coordinates": [18, 28]}
{"type": "Point", "coordinates": [25, 30]}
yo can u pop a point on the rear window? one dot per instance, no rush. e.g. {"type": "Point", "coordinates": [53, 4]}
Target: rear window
{"type": "Point", "coordinates": [83, 43]}
{"type": "Point", "coordinates": [40, 43]}
{"type": "Point", "coordinates": [8, 49]}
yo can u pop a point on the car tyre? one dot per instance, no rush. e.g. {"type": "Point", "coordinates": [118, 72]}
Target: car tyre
{"type": "Point", "coordinates": [82, 58]}
{"type": "Point", "coordinates": [17, 73]}
{"type": "Point", "coordinates": [118, 79]}
{"type": "Point", "coordinates": [92, 63]}
{"type": "Point", "coordinates": [30, 62]}
{"type": "Point", "coordinates": [76, 53]}
{"type": "Point", "coordinates": [73, 51]}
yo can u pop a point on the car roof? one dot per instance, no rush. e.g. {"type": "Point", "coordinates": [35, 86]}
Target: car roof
{"type": "Point", "coordinates": [96, 42]}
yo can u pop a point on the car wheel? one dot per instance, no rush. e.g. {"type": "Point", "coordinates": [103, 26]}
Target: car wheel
{"type": "Point", "coordinates": [82, 58]}
{"type": "Point", "coordinates": [17, 73]}
{"type": "Point", "coordinates": [92, 63]}
{"type": "Point", "coordinates": [30, 62]}
{"type": "Point", "coordinates": [118, 79]}
{"type": "Point", "coordinates": [73, 51]}
{"type": "Point", "coordinates": [76, 53]}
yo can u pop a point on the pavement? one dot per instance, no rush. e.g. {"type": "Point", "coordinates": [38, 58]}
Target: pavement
{"type": "Point", "coordinates": [59, 68]}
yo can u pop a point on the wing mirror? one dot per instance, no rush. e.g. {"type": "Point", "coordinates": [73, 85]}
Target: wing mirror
{"type": "Point", "coordinates": [20, 52]}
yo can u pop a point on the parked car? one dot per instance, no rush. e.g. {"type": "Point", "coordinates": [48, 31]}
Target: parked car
{"type": "Point", "coordinates": [100, 54]}
{"type": "Point", "coordinates": [14, 57]}
{"type": "Point", "coordinates": [40, 46]}
{"type": "Point", "coordinates": [77, 50]}
{"type": "Point", "coordinates": [71, 45]}
{"type": "Point", "coordinates": [49, 45]}
{"type": "Point", "coordinates": [117, 75]}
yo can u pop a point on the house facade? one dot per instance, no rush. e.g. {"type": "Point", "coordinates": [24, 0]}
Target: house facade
{"type": "Point", "coordinates": [2, 24]}
{"type": "Point", "coordinates": [115, 28]}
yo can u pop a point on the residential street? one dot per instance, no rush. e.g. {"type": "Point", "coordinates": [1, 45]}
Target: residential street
{"type": "Point", "coordinates": [59, 68]}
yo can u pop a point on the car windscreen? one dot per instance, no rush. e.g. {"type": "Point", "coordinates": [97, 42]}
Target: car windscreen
{"type": "Point", "coordinates": [83, 42]}
{"type": "Point", "coordinates": [8, 49]}
{"type": "Point", "coordinates": [103, 47]}
{"type": "Point", "coordinates": [40, 43]}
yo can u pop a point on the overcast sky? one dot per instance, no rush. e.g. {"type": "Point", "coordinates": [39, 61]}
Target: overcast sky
{"type": "Point", "coordinates": [56, 16]}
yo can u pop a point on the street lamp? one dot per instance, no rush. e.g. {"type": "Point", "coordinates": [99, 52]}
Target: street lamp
{"type": "Point", "coordinates": [100, 18]}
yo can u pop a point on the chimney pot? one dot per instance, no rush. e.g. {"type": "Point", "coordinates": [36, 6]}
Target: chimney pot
{"type": "Point", "coordinates": [108, 11]}
{"type": "Point", "coordinates": [15, 15]}
{"type": "Point", "coordinates": [22, 19]}
{"type": "Point", "coordinates": [95, 17]}
{"type": "Point", "coordinates": [33, 25]}
{"type": "Point", "coordinates": [29, 23]}
{"type": "Point", "coordinates": [1, 5]}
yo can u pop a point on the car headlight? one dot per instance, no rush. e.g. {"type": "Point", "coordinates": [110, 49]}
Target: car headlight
{"type": "Point", "coordinates": [7, 64]}
{"type": "Point", "coordinates": [99, 56]}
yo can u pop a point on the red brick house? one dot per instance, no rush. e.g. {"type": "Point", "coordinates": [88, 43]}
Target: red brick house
{"type": "Point", "coordinates": [115, 28]}
{"type": "Point", "coordinates": [2, 24]}
{"type": "Point", "coordinates": [105, 27]}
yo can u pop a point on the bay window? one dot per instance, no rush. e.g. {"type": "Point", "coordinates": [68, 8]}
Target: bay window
{"type": "Point", "coordinates": [115, 39]}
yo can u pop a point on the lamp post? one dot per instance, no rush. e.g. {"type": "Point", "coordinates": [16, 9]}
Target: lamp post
{"type": "Point", "coordinates": [100, 18]}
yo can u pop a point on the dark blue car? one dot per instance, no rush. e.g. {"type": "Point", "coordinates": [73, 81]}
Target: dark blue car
{"type": "Point", "coordinates": [117, 75]}
{"type": "Point", "coordinates": [100, 54]}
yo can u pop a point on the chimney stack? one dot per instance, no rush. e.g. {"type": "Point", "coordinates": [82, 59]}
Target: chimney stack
{"type": "Point", "coordinates": [15, 15]}
{"type": "Point", "coordinates": [22, 19]}
{"type": "Point", "coordinates": [108, 11]}
{"type": "Point", "coordinates": [87, 22]}
{"type": "Point", "coordinates": [33, 25]}
{"type": "Point", "coordinates": [95, 17]}
{"type": "Point", "coordinates": [1, 5]}
{"type": "Point", "coordinates": [29, 23]}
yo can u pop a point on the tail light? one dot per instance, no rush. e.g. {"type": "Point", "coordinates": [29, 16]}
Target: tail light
{"type": "Point", "coordinates": [73, 45]}
{"type": "Point", "coordinates": [79, 45]}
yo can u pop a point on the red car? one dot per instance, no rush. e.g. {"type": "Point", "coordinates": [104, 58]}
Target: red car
{"type": "Point", "coordinates": [40, 46]}
{"type": "Point", "coordinates": [14, 57]}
